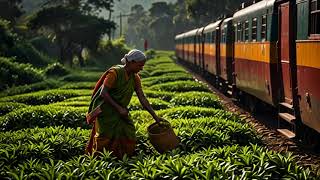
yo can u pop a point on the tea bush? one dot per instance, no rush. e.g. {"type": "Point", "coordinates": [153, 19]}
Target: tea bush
{"type": "Point", "coordinates": [155, 103]}
{"type": "Point", "coordinates": [45, 97]}
{"type": "Point", "coordinates": [44, 116]}
{"type": "Point", "coordinates": [166, 96]}
{"type": "Point", "coordinates": [195, 112]}
{"type": "Point", "coordinates": [186, 112]}
{"type": "Point", "coordinates": [144, 74]}
{"type": "Point", "coordinates": [43, 144]}
{"type": "Point", "coordinates": [82, 76]}
{"type": "Point", "coordinates": [73, 103]}
{"type": "Point", "coordinates": [150, 53]}
{"type": "Point", "coordinates": [160, 72]}
{"type": "Point", "coordinates": [26, 53]}
{"type": "Point", "coordinates": [163, 79]}
{"type": "Point", "coordinates": [247, 162]}
{"type": "Point", "coordinates": [79, 85]}
{"type": "Point", "coordinates": [14, 74]}
{"type": "Point", "coordinates": [6, 107]}
{"type": "Point", "coordinates": [159, 60]}
{"type": "Point", "coordinates": [43, 85]}
{"type": "Point", "coordinates": [200, 99]}
{"type": "Point", "coordinates": [180, 86]}
{"type": "Point", "coordinates": [56, 69]}
{"type": "Point", "coordinates": [214, 143]}
{"type": "Point", "coordinates": [80, 98]}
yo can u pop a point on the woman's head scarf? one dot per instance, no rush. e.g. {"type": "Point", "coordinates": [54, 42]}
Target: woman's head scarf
{"type": "Point", "coordinates": [133, 55]}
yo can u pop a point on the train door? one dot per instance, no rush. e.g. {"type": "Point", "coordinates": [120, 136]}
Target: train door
{"type": "Point", "coordinates": [199, 51]}
{"type": "Point", "coordinates": [287, 71]}
{"type": "Point", "coordinates": [202, 51]}
{"type": "Point", "coordinates": [194, 50]}
{"type": "Point", "coordinates": [218, 52]}
{"type": "Point", "coordinates": [183, 48]}
{"type": "Point", "coordinates": [285, 49]}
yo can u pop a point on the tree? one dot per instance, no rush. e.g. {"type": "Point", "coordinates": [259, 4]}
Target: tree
{"type": "Point", "coordinates": [205, 11]}
{"type": "Point", "coordinates": [10, 9]}
{"type": "Point", "coordinates": [7, 37]}
{"type": "Point", "coordinates": [161, 25]}
{"type": "Point", "coordinates": [71, 29]}
{"type": "Point", "coordinates": [137, 23]}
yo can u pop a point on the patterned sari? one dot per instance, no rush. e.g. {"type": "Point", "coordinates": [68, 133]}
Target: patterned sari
{"type": "Point", "coordinates": [110, 131]}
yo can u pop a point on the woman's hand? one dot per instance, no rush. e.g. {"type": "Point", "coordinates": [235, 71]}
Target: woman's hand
{"type": "Point", "coordinates": [124, 113]}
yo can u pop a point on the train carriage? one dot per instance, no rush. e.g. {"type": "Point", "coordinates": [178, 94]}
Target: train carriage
{"type": "Point", "coordinates": [199, 48]}
{"type": "Point", "coordinates": [255, 51]}
{"type": "Point", "coordinates": [308, 61]}
{"type": "Point", "coordinates": [179, 46]}
{"type": "Point", "coordinates": [190, 46]}
{"type": "Point", "coordinates": [211, 47]}
{"type": "Point", "coordinates": [226, 56]}
{"type": "Point", "coordinates": [269, 51]}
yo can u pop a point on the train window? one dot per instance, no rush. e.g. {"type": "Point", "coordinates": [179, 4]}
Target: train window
{"type": "Point", "coordinates": [315, 17]}
{"type": "Point", "coordinates": [223, 39]}
{"type": "Point", "coordinates": [254, 29]}
{"type": "Point", "coordinates": [209, 37]}
{"type": "Point", "coordinates": [246, 31]}
{"type": "Point", "coordinates": [213, 37]}
{"type": "Point", "coordinates": [264, 27]}
{"type": "Point", "coordinates": [239, 32]}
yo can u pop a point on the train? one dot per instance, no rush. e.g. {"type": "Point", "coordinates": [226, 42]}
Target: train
{"type": "Point", "coordinates": [265, 53]}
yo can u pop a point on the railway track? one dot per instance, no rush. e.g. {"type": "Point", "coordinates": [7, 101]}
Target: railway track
{"type": "Point", "coordinates": [266, 125]}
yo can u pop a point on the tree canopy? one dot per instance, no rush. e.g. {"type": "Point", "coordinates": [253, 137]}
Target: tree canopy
{"type": "Point", "coordinates": [10, 9]}
{"type": "Point", "coordinates": [72, 26]}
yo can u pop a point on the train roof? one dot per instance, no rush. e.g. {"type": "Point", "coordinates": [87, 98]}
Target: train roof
{"type": "Point", "coordinates": [254, 8]}
{"type": "Point", "coordinates": [199, 31]}
{"type": "Point", "coordinates": [227, 20]}
{"type": "Point", "coordinates": [211, 27]}
{"type": "Point", "coordinates": [179, 36]}
{"type": "Point", "coordinates": [191, 33]}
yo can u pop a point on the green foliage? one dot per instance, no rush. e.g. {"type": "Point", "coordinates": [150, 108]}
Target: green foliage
{"type": "Point", "coordinates": [160, 72]}
{"type": "Point", "coordinates": [43, 85]}
{"type": "Point", "coordinates": [7, 38]}
{"type": "Point", "coordinates": [44, 116]}
{"type": "Point", "coordinates": [150, 53]}
{"type": "Point", "coordinates": [10, 10]}
{"type": "Point", "coordinates": [73, 28]}
{"type": "Point", "coordinates": [80, 98]}
{"type": "Point", "coordinates": [214, 143]}
{"type": "Point", "coordinates": [82, 76]}
{"type": "Point", "coordinates": [155, 103]}
{"type": "Point", "coordinates": [199, 99]}
{"type": "Point", "coordinates": [180, 86]}
{"type": "Point", "coordinates": [45, 45]}
{"type": "Point", "coordinates": [13, 74]}
{"type": "Point", "coordinates": [196, 112]}
{"type": "Point", "coordinates": [56, 69]}
{"type": "Point", "coordinates": [42, 144]}
{"type": "Point", "coordinates": [79, 85]}
{"type": "Point", "coordinates": [163, 95]}
{"type": "Point", "coordinates": [45, 97]}
{"type": "Point", "coordinates": [111, 52]}
{"type": "Point", "coordinates": [26, 53]}
{"type": "Point", "coordinates": [6, 107]}
{"type": "Point", "coordinates": [150, 81]}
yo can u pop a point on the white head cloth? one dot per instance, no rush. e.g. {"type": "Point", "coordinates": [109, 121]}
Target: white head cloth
{"type": "Point", "coordinates": [133, 55]}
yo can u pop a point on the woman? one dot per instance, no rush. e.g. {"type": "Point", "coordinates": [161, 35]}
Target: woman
{"type": "Point", "coordinates": [112, 127]}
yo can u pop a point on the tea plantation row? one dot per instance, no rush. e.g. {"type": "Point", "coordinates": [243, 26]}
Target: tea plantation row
{"type": "Point", "coordinates": [43, 134]}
